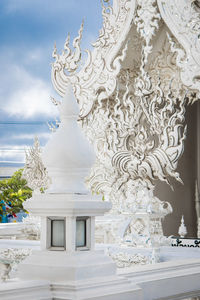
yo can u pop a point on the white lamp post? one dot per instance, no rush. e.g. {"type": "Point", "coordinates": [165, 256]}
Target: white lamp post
{"type": "Point", "coordinates": [67, 258]}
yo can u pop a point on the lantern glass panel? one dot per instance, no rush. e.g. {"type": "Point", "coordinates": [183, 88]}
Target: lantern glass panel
{"type": "Point", "coordinates": [81, 232]}
{"type": "Point", "coordinates": [57, 233]}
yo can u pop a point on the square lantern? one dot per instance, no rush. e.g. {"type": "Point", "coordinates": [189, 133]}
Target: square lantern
{"type": "Point", "coordinates": [56, 227]}
{"type": "Point", "coordinates": [68, 233]}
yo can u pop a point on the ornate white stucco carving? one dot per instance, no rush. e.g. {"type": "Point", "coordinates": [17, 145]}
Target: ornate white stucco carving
{"type": "Point", "coordinates": [132, 94]}
{"type": "Point", "coordinates": [147, 21]}
{"type": "Point", "coordinates": [124, 260]}
{"type": "Point", "coordinates": [34, 171]}
{"type": "Point", "coordinates": [10, 258]}
{"type": "Point", "coordinates": [97, 79]}
{"type": "Point", "coordinates": [126, 128]}
{"type": "Point", "coordinates": [110, 229]}
{"type": "Point", "coordinates": [69, 60]}
{"type": "Point", "coordinates": [154, 142]}
{"type": "Point", "coordinates": [183, 19]}
{"type": "Point", "coordinates": [32, 227]}
{"type": "Point", "coordinates": [145, 212]}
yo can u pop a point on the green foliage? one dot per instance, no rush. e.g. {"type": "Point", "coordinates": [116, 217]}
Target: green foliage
{"type": "Point", "coordinates": [14, 191]}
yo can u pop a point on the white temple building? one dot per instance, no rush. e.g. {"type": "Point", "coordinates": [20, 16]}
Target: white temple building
{"type": "Point", "coordinates": [130, 130]}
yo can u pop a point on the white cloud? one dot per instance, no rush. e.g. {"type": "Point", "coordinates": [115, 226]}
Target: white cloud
{"type": "Point", "coordinates": [34, 55]}
{"type": "Point", "coordinates": [27, 96]}
{"type": "Point", "coordinates": [31, 136]}
{"type": "Point", "coordinates": [30, 101]}
{"type": "Point", "coordinates": [31, 56]}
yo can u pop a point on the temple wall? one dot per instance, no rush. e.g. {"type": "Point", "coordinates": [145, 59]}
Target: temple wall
{"type": "Point", "coordinates": [183, 197]}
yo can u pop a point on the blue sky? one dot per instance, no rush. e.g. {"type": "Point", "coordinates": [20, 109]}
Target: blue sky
{"type": "Point", "coordinates": [28, 30]}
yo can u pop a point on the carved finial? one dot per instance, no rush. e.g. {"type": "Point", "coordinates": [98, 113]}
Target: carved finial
{"type": "Point", "coordinates": [182, 231]}
{"type": "Point", "coordinates": [34, 171]}
{"type": "Point", "coordinates": [54, 54]}
{"type": "Point", "coordinates": [53, 126]}
{"type": "Point", "coordinates": [66, 45]}
{"type": "Point", "coordinates": [69, 60]}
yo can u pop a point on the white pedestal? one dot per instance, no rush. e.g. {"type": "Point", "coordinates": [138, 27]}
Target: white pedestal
{"type": "Point", "coordinates": [25, 290]}
{"type": "Point", "coordinates": [72, 273]}
{"type": "Point", "coordinates": [60, 266]}
{"type": "Point", "coordinates": [84, 275]}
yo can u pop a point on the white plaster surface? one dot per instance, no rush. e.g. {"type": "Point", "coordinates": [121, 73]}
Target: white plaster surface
{"type": "Point", "coordinates": [4, 243]}
{"type": "Point", "coordinates": [166, 253]}
{"type": "Point", "coordinates": [169, 280]}
{"type": "Point", "coordinates": [11, 230]}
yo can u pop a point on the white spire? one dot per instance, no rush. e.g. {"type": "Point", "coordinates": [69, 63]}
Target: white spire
{"type": "Point", "coordinates": [68, 155]}
{"type": "Point", "coordinates": [182, 231]}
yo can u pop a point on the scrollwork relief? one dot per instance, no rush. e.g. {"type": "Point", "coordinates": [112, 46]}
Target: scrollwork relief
{"type": "Point", "coordinates": [183, 20]}
{"type": "Point", "coordinates": [124, 260]}
{"type": "Point", "coordinates": [10, 258]}
{"type": "Point", "coordinates": [147, 21]}
{"type": "Point", "coordinates": [97, 78]}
